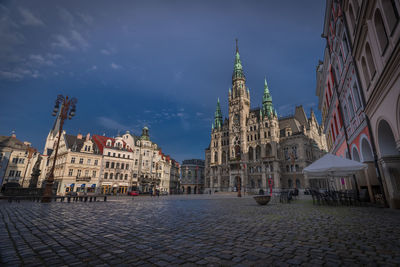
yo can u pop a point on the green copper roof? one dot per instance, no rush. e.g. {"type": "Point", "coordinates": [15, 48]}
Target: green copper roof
{"type": "Point", "coordinates": [237, 69]}
{"type": "Point", "coordinates": [218, 116]}
{"type": "Point", "coordinates": [268, 108]}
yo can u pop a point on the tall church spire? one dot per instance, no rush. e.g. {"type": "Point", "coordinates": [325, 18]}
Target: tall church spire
{"type": "Point", "coordinates": [268, 108]}
{"type": "Point", "coordinates": [218, 116]}
{"type": "Point", "coordinates": [237, 69]}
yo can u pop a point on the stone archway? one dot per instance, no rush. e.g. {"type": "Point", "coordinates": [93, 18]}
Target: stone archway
{"type": "Point", "coordinates": [189, 190]}
{"type": "Point", "coordinates": [386, 141]}
{"type": "Point", "coordinates": [366, 151]}
{"type": "Point", "coordinates": [354, 154]}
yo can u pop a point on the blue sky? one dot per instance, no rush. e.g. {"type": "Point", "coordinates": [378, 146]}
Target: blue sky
{"type": "Point", "coordinates": [157, 63]}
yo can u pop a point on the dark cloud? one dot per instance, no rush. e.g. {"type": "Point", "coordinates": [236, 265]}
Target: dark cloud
{"type": "Point", "coordinates": [123, 58]}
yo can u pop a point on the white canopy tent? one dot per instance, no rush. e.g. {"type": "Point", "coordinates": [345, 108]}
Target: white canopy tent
{"type": "Point", "coordinates": [331, 166]}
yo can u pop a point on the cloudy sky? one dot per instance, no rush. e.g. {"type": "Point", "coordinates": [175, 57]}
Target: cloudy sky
{"type": "Point", "coordinates": [157, 63]}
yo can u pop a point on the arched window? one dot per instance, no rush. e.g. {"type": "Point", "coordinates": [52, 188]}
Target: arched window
{"type": "Point", "coordinates": [223, 157]}
{"type": "Point", "coordinates": [365, 71]}
{"type": "Point", "coordinates": [108, 143]}
{"type": "Point", "coordinates": [380, 31]}
{"type": "Point", "coordinates": [216, 157]}
{"type": "Point", "coordinates": [268, 150]}
{"type": "Point", "coordinates": [105, 175]}
{"type": "Point", "coordinates": [251, 156]}
{"type": "Point", "coordinates": [370, 60]}
{"type": "Point", "coordinates": [352, 18]}
{"type": "Point", "coordinates": [258, 152]}
{"type": "Point", "coordinates": [351, 109]}
{"type": "Point", "coordinates": [391, 13]}
{"type": "Point", "coordinates": [356, 96]}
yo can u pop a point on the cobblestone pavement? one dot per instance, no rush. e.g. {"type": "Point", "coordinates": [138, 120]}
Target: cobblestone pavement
{"type": "Point", "coordinates": [196, 230]}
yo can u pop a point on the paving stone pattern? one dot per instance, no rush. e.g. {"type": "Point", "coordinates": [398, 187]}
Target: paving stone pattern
{"type": "Point", "coordinates": [196, 230]}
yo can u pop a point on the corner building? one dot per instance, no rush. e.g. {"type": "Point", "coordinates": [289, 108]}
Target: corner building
{"type": "Point", "coordinates": [253, 148]}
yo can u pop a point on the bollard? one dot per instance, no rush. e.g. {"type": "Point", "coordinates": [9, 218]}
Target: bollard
{"type": "Point", "coordinates": [105, 198]}
{"type": "Point", "coordinates": [90, 199]}
{"type": "Point", "coordinates": [95, 199]}
{"type": "Point", "coordinates": [69, 199]}
{"type": "Point", "coordinates": [86, 199]}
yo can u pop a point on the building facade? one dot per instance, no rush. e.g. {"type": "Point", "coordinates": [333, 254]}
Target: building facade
{"type": "Point", "coordinates": [374, 34]}
{"type": "Point", "coordinates": [358, 86]}
{"type": "Point", "coordinates": [116, 165]}
{"type": "Point", "coordinates": [247, 149]}
{"type": "Point", "coordinates": [192, 178]}
{"type": "Point", "coordinates": [341, 103]}
{"type": "Point", "coordinates": [17, 160]}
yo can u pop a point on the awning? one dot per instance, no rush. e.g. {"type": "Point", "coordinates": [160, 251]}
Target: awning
{"type": "Point", "coordinates": [72, 185]}
{"type": "Point", "coordinates": [333, 166]}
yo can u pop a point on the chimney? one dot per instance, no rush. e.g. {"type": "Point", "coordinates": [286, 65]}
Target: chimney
{"type": "Point", "coordinates": [79, 136]}
{"type": "Point", "coordinates": [87, 137]}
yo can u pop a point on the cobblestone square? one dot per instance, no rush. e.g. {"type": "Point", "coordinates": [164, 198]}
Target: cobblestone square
{"type": "Point", "coordinates": [196, 230]}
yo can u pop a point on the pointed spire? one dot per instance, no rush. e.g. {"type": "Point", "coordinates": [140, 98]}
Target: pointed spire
{"type": "Point", "coordinates": [218, 116]}
{"type": "Point", "coordinates": [238, 69]}
{"type": "Point", "coordinates": [268, 108]}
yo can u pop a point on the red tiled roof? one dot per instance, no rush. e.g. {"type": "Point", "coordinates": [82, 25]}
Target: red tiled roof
{"type": "Point", "coordinates": [101, 142]}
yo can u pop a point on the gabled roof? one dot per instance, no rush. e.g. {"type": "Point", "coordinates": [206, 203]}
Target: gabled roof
{"type": "Point", "coordinates": [73, 142]}
{"type": "Point", "coordinates": [12, 142]}
{"type": "Point", "coordinates": [101, 142]}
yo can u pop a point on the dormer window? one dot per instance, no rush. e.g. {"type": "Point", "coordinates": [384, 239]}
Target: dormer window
{"type": "Point", "coordinates": [108, 143]}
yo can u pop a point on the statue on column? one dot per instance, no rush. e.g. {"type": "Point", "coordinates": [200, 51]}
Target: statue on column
{"type": "Point", "coordinates": [35, 173]}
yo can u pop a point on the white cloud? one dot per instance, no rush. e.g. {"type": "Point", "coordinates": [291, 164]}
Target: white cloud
{"type": "Point", "coordinates": [66, 16]}
{"type": "Point", "coordinates": [86, 18]}
{"type": "Point", "coordinates": [94, 67]}
{"type": "Point", "coordinates": [78, 38]}
{"type": "Point", "coordinates": [115, 66]}
{"type": "Point", "coordinates": [105, 52]}
{"type": "Point", "coordinates": [29, 18]}
{"type": "Point", "coordinates": [198, 114]}
{"type": "Point", "coordinates": [112, 124]}
{"type": "Point", "coordinates": [63, 42]}
{"type": "Point", "coordinates": [39, 59]}
{"type": "Point", "coordinates": [6, 75]}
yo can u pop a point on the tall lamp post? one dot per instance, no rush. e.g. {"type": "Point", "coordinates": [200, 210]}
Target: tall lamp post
{"type": "Point", "coordinates": [67, 105]}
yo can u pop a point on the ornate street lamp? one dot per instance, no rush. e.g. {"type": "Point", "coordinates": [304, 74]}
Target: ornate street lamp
{"type": "Point", "coordinates": [68, 108]}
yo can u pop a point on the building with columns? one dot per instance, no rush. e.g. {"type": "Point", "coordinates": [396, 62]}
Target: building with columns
{"type": "Point", "coordinates": [251, 149]}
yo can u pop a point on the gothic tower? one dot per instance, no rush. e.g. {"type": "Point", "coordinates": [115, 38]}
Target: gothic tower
{"type": "Point", "coordinates": [239, 108]}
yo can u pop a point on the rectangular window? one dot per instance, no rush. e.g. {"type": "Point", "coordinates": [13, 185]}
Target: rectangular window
{"type": "Point", "coordinates": [136, 162]}
{"type": "Point", "coordinates": [70, 172]}
{"type": "Point", "coordinates": [119, 155]}
{"type": "Point", "coordinates": [122, 165]}
{"type": "Point", "coordinates": [111, 176]}
{"type": "Point", "coordinates": [12, 173]}
{"type": "Point", "coordinates": [117, 165]}
{"type": "Point", "coordinates": [88, 161]}
{"type": "Point", "coordinates": [351, 109]}
{"type": "Point", "coordinates": [87, 173]}
{"type": "Point", "coordinates": [18, 174]}
{"type": "Point", "coordinates": [94, 174]}
{"type": "Point", "coordinates": [15, 160]}
{"type": "Point", "coordinates": [112, 165]}
{"type": "Point", "coordinates": [79, 173]}
{"type": "Point", "coordinates": [127, 166]}
{"type": "Point", "coordinates": [73, 160]}
{"type": "Point", "coordinates": [96, 162]}
{"type": "Point", "coordinates": [107, 164]}
{"type": "Point", "coordinates": [106, 175]}
{"type": "Point", "coordinates": [113, 154]}
{"type": "Point", "coordinates": [21, 160]}
{"type": "Point", "coordinates": [109, 154]}
{"type": "Point", "coordinates": [81, 161]}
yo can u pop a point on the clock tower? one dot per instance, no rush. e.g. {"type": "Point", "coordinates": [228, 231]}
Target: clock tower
{"type": "Point", "coordinates": [239, 108]}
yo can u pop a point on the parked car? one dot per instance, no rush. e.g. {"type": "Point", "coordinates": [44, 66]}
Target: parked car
{"type": "Point", "coordinates": [133, 193]}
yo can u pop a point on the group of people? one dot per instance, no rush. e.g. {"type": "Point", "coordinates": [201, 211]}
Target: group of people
{"type": "Point", "coordinates": [157, 192]}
